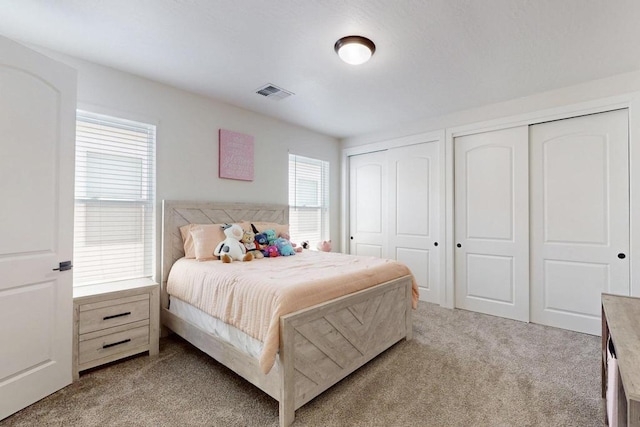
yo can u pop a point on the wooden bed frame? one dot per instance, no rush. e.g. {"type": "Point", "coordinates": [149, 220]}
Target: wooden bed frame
{"type": "Point", "coordinates": [319, 345]}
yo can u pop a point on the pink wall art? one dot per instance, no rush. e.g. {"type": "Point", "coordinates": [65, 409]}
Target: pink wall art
{"type": "Point", "coordinates": [235, 155]}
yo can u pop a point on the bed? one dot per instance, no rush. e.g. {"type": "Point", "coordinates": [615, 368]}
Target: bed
{"type": "Point", "coordinates": [317, 346]}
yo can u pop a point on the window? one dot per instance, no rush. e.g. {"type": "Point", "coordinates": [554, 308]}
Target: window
{"type": "Point", "coordinates": [308, 199]}
{"type": "Point", "coordinates": [114, 199]}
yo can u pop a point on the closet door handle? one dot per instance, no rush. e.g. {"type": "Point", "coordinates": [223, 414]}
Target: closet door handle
{"type": "Point", "coordinates": [621, 255]}
{"type": "Point", "coordinates": [435, 243]}
{"type": "Point", "coordinates": [459, 245]}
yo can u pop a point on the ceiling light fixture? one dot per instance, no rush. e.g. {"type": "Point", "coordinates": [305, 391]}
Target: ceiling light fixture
{"type": "Point", "coordinates": [354, 50]}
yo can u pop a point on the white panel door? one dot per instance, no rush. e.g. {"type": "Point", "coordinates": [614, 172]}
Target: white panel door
{"type": "Point", "coordinates": [368, 186]}
{"type": "Point", "coordinates": [413, 214]}
{"type": "Point", "coordinates": [37, 128]}
{"type": "Point", "coordinates": [492, 223]}
{"type": "Point", "coordinates": [579, 218]}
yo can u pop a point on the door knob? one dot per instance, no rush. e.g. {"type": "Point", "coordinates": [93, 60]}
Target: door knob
{"type": "Point", "coordinates": [351, 237]}
{"type": "Point", "coordinates": [621, 255]}
{"type": "Point", "coordinates": [64, 266]}
{"type": "Point", "coordinates": [435, 243]}
{"type": "Point", "coordinates": [459, 245]}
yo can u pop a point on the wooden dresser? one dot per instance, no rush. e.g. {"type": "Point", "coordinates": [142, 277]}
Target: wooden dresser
{"type": "Point", "coordinates": [112, 321]}
{"type": "Point", "coordinates": [621, 322]}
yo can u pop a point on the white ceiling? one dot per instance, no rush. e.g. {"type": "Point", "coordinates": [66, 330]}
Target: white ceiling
{"type": "Point", "coordinates": [433, 57]}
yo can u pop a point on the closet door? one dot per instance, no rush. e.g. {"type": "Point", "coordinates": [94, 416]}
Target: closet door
{"type": "Point", "coordinates": [579, 218]}
{"type": "Point", "coordinates": [492, 223]}
{"type": "Point", "coordinates": [367, 204]}
{"type": "Point", "coordinates": [413, 214]}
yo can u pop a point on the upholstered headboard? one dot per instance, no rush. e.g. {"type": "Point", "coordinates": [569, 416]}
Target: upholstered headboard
{"type": "Point", "coordinates": [175, 214]}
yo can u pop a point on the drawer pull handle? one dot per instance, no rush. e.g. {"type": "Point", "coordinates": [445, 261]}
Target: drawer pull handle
{"type": "Point", "coordinates": [116, 343]}
{"type": "Point", "coordinates": [116, 315]}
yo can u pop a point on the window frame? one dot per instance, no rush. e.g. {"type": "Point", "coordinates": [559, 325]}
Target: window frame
{"type": "Point", "coordinates": [85, 195]}
{"type": "Point", "coordinates": [322, 196]}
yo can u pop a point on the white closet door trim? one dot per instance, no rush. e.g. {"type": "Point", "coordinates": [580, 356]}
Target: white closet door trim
{"type": "Point", "coordinates": [634, 196]}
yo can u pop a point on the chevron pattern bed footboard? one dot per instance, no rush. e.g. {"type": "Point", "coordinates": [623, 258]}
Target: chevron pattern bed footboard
{"type": "Point", "coordinates": [330, 341]}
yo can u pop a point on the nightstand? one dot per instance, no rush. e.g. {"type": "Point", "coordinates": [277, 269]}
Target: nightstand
{"type": "Point", "coordinates": [114, 320]}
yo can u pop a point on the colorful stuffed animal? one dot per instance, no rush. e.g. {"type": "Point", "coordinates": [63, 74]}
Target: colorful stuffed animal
{"type": "Point", "coordinates": [249, 242]}
{"type": "Point", "coordinates": [262, 243]}
{"type": "Point", "coordinates": [324, 246]}
{"type": "Point", "coordinates": [284, 247]}
{"type": "Point", "coordinates": [231, 248]}
{"type": "Point", "coordinates": [271, 236]}
{"type": "Point", "coordinates": [296, 248]}
{"type": "Point", "coordinates": [272, 251]}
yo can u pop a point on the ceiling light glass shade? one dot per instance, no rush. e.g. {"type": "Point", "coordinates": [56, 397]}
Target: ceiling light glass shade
{"type": "Point", "coordinates": [355, 50]}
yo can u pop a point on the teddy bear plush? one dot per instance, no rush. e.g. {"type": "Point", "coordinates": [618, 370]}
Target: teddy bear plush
{"type": "Point", "coordinates": [249, 242]}
{"type": "Point", "coordinates": [271, 236]}
{"type": "Point", "coordinates": [262, 243]}
{"type": "Point", "coordinates": [284, 247]}
{"type": "Point", "coordinates": [231, 248]}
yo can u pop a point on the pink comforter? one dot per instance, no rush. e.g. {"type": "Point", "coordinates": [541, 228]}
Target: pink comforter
{"type": "Point", "coordinates": [252, 296]}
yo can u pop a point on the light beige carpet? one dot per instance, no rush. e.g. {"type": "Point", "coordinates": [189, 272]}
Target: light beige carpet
{"type": "Point", "coordinates": [461, 369]}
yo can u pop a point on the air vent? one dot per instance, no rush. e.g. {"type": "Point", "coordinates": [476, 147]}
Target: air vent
{"type": "Point", "coordinates": [273, 92]}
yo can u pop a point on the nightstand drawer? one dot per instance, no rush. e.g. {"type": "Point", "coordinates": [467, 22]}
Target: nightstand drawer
{"type": "Point", "coordinates": [115, 312]}
{"type": "Point", "coordinates": [110, 344]}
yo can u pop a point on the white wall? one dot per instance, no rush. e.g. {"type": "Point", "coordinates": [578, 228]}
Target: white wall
{"type": "Point", "coordinates": [187, 139]}
{"type": "Point", "coordinates": [597, 89]}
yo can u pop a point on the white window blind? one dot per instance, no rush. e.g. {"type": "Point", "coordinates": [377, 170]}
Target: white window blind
{"type": "Point", "coordinates": [308, 199]}
{"type": "Point", "coordinates": [114, 199]}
